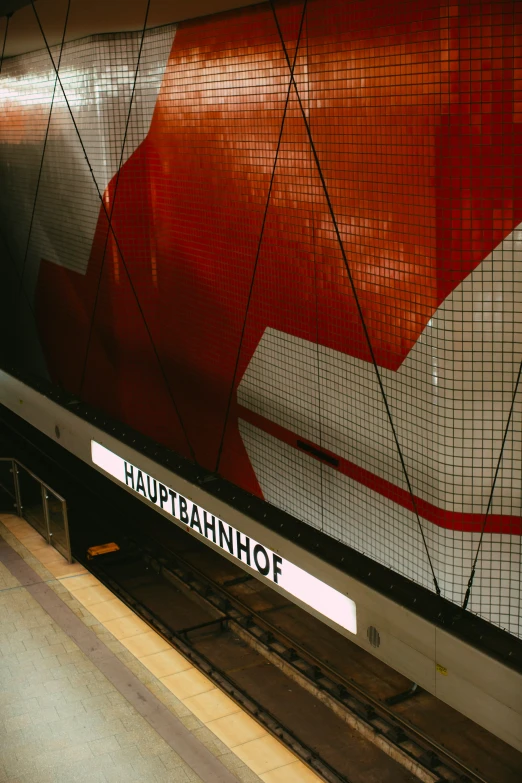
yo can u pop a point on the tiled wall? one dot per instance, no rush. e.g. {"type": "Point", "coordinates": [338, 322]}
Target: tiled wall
{"type": "Point", "coordinates": [294, 266]}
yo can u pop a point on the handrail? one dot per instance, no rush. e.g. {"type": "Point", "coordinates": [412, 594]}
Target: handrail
{"type": "Point", "coordinates": [37, 478]}
{"type": "Point", "coordinates": [47, 522]}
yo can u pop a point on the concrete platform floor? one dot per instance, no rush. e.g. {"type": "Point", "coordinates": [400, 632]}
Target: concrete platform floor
{"type": "Point", "coordinates": [89, 693]}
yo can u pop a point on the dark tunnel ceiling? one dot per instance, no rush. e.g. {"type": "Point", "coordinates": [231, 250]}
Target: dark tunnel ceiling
{"type": "Point", "coordinates": [10, 6]}
{"type": "Point", "coordinates": [88, 17]}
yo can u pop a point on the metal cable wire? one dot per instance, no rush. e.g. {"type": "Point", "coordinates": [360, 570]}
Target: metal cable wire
{"type": "Point", "coordinates": [39, 179]}
{"type": "Point", "coordinates": [269, 195]}
{"type": "Point", "coordinates": [102, 202]}
{"type": "Point", "coordinates": [2, 237]}
{"type": "Point", "coordinates": [357, 303]}
{"type": "Point", "coordinates": [91, 325]}
{"type": "Point", "coordinates": [490, 501]}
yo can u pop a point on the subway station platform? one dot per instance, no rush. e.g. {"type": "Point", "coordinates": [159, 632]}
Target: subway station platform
{"type": "Point", "coordinates": [90, 693]}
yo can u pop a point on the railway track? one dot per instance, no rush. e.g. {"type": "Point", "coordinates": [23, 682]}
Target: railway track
{"type": "Point", "coordinates": [398, 738]}
{"type": "Point", "coordinates": [181, 641]}
{"type": "Point", "coordinates": [420, 754]}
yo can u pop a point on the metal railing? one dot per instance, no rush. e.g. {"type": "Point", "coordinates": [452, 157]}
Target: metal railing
{"type": "Point", "coordinates": [37, 503]}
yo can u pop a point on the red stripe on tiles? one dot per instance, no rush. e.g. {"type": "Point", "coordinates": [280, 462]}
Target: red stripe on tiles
{"type": "Point", "coordinates": [451, 520]}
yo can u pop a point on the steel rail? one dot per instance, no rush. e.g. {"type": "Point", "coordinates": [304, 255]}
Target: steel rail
{"type": "Point", "coordinates": [429, 760]}
{"type": "Point", "coordinates": [180, 640]}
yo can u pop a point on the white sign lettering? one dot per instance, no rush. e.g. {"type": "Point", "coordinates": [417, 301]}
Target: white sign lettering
{"type": "Point", "coordinates": [292, 579]}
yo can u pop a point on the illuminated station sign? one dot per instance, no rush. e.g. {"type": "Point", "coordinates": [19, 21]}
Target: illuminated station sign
{"type": "Point", "coordinates": [293, 580]}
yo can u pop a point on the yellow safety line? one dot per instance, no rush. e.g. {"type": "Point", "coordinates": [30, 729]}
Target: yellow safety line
{"type": "Point", "coordinates": [265, 755]}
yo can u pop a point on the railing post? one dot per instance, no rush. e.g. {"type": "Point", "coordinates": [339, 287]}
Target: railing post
{"type": "Point", "coordinates": [18, 499]}
{"type": "Point", "coordinates": [46, 512]}
{"type": "Point", "coordinates": [66, 525]}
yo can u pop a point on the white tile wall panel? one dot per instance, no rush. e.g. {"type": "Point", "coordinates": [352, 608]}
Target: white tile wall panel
{"type": "Point", "coordinates": [97, 76]}
{"type": "Point", "coordinates": [450, 402]}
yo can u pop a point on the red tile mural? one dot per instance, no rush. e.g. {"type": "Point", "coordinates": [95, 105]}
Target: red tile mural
{"type": "Point", "coordinates": [218, 315]}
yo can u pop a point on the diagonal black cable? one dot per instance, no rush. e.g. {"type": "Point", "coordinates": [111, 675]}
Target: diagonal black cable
{"type": "Point", "coordinates": [39, 179]}
{"type": "Point", "coordinates": [7, 18]}
{"type": "Point", "coordinates": [269, 195]}
{"type": "Point", "coordinates": [357, 302]}
{"type": "Point", "coordinates": [102, 202]}
{"type": "Point", "coordinates": [490, 501]}
{"type": "Point", "coordinates": [91, 326]}
{"type": "Point", "coordinates": [2, 237]}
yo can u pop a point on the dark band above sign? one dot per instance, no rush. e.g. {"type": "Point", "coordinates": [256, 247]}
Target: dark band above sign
{"type": "Point", "coordinates": [295, 581]}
